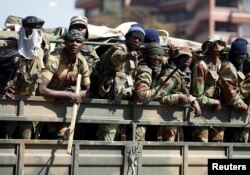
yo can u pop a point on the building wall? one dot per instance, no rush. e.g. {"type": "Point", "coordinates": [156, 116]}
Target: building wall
{"type": "Point", "coordinates": [193, 19]}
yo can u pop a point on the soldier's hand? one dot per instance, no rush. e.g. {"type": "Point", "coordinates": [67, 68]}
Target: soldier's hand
{"type": "Point", "coordinates": [75, 98]}
{"type": "Point", "coordinates": [133, 55]}
{"type": "Point", "coordinates": [217, 105]}
{"type": "Point", "coordinates": [244, 107]}
{"type": "Point", "coordinates": [182, 99]}
{"type": "Point", "coordinates": [196, 107]}
{"type": "Point", "coordinates": [10, 93]}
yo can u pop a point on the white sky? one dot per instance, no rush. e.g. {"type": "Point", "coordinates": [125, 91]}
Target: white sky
{"type": "Point", "coordinates": [55, 13]}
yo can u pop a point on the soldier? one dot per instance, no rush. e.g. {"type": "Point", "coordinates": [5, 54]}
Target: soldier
{"type": "Point", "coordinates": [231, 80]}
{"type": "Point", "coordinates": [61, 72]}
{"type": "Point", "coordinates": [81, 23]}
{"type": "Point", "coordinates": [151, 85]}
{"type": "Point", "coordinates": [205, 84]}
{"type": "Point", "coordinates": [88, 51]}
{"type": "Point", "coordinates": [117, 70]}
{"type": "Point", "coordinates": [31, 47]}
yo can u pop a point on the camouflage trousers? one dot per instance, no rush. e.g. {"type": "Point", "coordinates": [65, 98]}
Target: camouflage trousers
{"type": "Point", "coordinates": [241, 135]}
{"type": "Point", "coordinates": [165, 133]}
{"type": "Point", "coordinates": [204, 134]}
{"type": "Point", "coordinates": [107, 132]}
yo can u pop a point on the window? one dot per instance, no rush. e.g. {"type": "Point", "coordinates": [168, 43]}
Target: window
{"type": "Point", "coordinates": [226, 3]}
{"type": "Point", "coordinates": [225, 27]}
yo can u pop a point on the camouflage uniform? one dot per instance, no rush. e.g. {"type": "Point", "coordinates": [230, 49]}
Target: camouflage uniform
{"type": "Point", "coordinates": [116, 71]}
{"type": "Point", "coordinates": [147, 80]}
{"type": "Point", "coordinates": [62, 75]}
{"type": "Point", "coordinates": [178, 84]}
{"type": "Point", "coordinates": [150, 85]}
{"type": "Point", "coordinates": [81, 23]}
{"type": "Point", "coordinates": [205, 85]}
{"type": "Point", "coordinates": [232, 80]}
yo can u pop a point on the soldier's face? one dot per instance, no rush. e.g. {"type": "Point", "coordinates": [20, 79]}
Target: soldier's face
{"type": "Point", "coordinates": [154, 62]}
{"type": "Point", "coordinates": [81, 28]}
{"type": "Point", "coordinates": [28, 31]}
{"type": "Point", "coordinates": [73, 46]}
{"type": "Point", "coordinates": [183, 61]}
{"type": "Point", "coordinates": [240, 59]}
{"type": "Point", "coordinates": [134, 43]}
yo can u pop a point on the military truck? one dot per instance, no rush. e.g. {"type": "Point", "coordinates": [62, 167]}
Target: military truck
{"type": "Point", "coordinates": [127, 157]}
{"type": "Point", "coordinates": [37, 156]}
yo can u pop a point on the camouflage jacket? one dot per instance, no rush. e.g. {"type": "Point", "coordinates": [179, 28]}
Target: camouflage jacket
{"type": "Point", "coordinates": [179, 83]}
{"type": "Point", "coordinates": [231, 81]}
{"type": "Point", "coordinates": [205, 78]}
{"type": "Point", "coordinates": [116, 73]}
{"type": "Point", "coordinates": [62, 74]}
{"type": "Point", "coordinates": [146, 83]}
{"type": "Point", "coordinates": [91, 57]}
{"type": "Point", "coordinates": [149, 86]}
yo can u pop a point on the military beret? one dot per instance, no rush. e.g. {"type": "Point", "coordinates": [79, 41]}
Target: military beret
{"type": "Point", "coordinates": [154, 50]}
{"type": "Point", "coordinates": [73, 35]}
{"type": "Point", "coordinates": [32, 22]}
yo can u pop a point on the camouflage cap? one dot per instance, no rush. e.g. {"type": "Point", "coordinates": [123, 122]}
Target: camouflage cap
{"type": "Point", "coordinates": [73, 35]}
{"type": "Point", "coordinates": [154, 50]}
{"type": "Point", "coordinates": [183, 51]}
{"type": "Point", "coordinates": [76, 20]}
{"type": "Point", "coordinates": [221, 44]}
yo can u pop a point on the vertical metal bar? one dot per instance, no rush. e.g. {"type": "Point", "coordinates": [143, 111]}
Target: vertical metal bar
{"type": "Point", "coordinates": [230, 152]}
{"type": "Point", "coordinates": [140, 159]}
{"type": "Point", "coordinates": [134, 125]}
{"type": "Point", "coordinates": [185, 160]}
{"type": "Point", "coordinates": [20, 165]}
{"type": "Point", "coordinates": [75, 158]}
{"type": "Point", "coordinates": [20, 108]}
{"type": "Point", "coordinates": [127, 148]}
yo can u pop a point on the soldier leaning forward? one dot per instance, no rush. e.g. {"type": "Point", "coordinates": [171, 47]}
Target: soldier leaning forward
{"type": "Point", "coordinates": [116, 73]}
{"type": "Point", "coordinates": [205, 84]}
{"type": "Point", "coordinates": [61, 72]}
{"type": "Point", "coordinates": [232, 81]}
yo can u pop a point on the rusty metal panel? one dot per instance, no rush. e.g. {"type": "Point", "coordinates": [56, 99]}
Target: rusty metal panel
{"type": "Point", "coordinates": [162, 159]}
{"type": "Point", "coordinates": [48, 110]}
{"type": "Point", "coordinates": [212, 116]}
{"type": "Point", "coordinates": [155, 113]}
{"type": "Point", "coordinates": [100, 159]}
{"type": "Point", "coordinates": [238, 117]}
{"type": "Point", "coordinates": [105, 110]}
{"type": "Point", "coordinates": [8, 159]}
{"type": "Point", "coordinates": [47, 159]}
{"type": "Point", "coordinates": [198, 157]}
{"type": "Point", "coordinates": [241, 152]}
{"type": "Point", "coordinates": [8, 108]}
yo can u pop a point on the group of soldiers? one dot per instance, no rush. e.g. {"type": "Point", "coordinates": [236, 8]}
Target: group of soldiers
{"type": "Point", "coordinates": [212, 76]}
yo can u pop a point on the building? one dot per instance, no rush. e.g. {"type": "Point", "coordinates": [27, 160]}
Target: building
{"type": "Point", "coordinates": [193, 19]}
